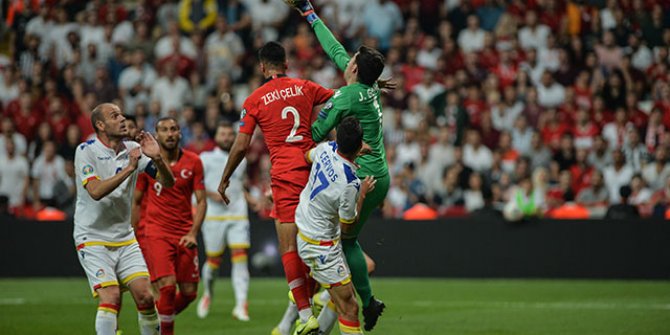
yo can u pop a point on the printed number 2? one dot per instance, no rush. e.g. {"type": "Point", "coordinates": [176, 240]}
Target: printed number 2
{"type": "Point", "coordinates": [323, 182]}
{"type": "Point", "coordinates": [296, 123]}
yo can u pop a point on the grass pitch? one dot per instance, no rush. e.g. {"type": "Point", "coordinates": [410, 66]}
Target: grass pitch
{"type": "Point", "coordinates": [414, 306]}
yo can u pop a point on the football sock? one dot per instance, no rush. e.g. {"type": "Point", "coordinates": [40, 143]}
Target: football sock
{"type": "Point", "coordinates": [359, 269]}
{"type": "Point", "coordinates": [295, 275]}
{"type": "Point", "coordinates": [325, 296]}
{"type": "Point", "coordinates": [165, 307]}
{"type": "Point", "coordinates": [105, 319]}
{"type": "Point", "coordinates": [209, 273]}
{"type": "Point", "coordinates": [348, 327]}
{"type": "Point", "coordinates": [148, 320]}
{"type": "Point", "coordinates": [327, 318]}
{"type": "Point", "coordinates": [181, 301]}
{"type": "Point", "coordinates": [290, 315]}
{"type": "Point", "coordinates": [240, 277]}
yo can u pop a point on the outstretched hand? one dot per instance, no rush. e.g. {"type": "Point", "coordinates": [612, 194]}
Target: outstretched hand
{"type": "Point", "coordinates": [149, 145]}
{"type": "Point", "coordinates": [387, 84]}
{"type": "Point", "coordinates": [368, 184]}
{"type": "Point", "coordinates": [222, 190]}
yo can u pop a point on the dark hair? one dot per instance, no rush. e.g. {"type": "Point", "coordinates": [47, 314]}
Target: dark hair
{"type": "Point", "coordinates": [272, 54]}
{"type": "Point", "coordinates": [625, 191]}
{"type": "Point", "coordinates": [129, 117]}
{"type": "Point", "coordinates": [370, 64]}
{"type": "Point", "coordinates": [349, 136]}
{"type": "Point", "coordinates": [166, 118]}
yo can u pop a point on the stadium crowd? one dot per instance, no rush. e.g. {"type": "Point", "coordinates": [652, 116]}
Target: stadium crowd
{"type": "Point", "coordinates": [550, 104]}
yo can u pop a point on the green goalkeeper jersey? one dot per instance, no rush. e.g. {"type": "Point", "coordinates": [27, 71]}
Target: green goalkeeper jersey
{"type": "Point", "coordinates": [358, 100]}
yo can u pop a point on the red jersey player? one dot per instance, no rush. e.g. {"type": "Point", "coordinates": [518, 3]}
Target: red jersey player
{"type": "Point", "coordinates": [282, 108]}
{"type": "Point", "coordinates": [170, 226]}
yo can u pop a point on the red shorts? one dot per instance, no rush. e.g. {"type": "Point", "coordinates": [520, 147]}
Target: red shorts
{"type": "Point", "coordinates": [286, 195]}
{"type": "Point", "coordinates": [165, 257]}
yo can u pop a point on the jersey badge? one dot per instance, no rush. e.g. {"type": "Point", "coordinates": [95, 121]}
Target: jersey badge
{"type": "Point", "coordinates": [186, 173]}
{"type": "Point", "coordinates": [87, 170]}
{"type": "Point", "coordinates": [100, 273]}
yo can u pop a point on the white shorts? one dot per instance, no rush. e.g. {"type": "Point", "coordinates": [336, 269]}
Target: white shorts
{"type": "Point", "coordinates": [217, 234]}
{"type": "Point", "coordinates": [327, 263]}
{"type": "Point", "coordinates": [112, 266]}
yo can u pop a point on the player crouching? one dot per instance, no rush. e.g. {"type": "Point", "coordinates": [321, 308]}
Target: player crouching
{"type": "Point", "coordinates": [332, 199]}
{"type": "Point", "coordinates": [170, 226]}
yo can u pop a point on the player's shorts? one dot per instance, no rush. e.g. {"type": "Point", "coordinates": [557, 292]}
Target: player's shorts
{"type": "Point", "coordinates": [165, 257]}
{"type": "Point", "coordinates": [286, 195]}
{"type": "Point", "coordinates": [325, 260]}
{"type": "Point", "coordinates": [111, 266]}
{"type": "Point", "coordinates": [230, 231]}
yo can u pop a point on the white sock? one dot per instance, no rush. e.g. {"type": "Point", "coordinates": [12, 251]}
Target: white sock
{"type": "Point", "coordinates": [240, 279]}
{"type": "Point", "coordinates": [304, 314]}
{"type": "Point", "coordinates": [290, 315]}
{"type": "Point", "coordinates": [149, 324]}
{"type": "Point", "coordinates": [208, 278]}
{"type": "Point", "coordinates": [105, 323]}
{"type": "Point", "coordinates": [327, 317]}
{"type": "Point", "coordinates": [325, 296]}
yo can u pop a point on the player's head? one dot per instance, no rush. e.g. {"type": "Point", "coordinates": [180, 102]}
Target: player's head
{"type": "Point", "coordinates": [366, 66]}
{"type": "Point", "coordinates": [168, 133]}
{"type": "Point", "coordinates": [108, 120]}
{"type": "Point", "coordinates": [272, 56]}
{"type": "Point", "coordinates": [349, 137]}
{"type": "Point", "coordinates": [225, 136]}
{"type": "Point", "coordinates": [131, 124]}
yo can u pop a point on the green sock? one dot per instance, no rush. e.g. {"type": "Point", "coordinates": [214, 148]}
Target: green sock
{"type": "Point", "coordinates": [359, 269]}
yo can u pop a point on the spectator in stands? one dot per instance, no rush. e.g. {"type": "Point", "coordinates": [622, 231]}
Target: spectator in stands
{"type": "Point", "coordinates": [657, 172]}
{"type": "Point", "coordinates": [600, 156]}
{"type": "Point", "coordinates": [596, 194]}
{"type": "Point", "coordinates": [135, 82]}
{"type": "Point", "coordinates": [533, 35]}
{"type": "Point", "coordinates": [428, 88]}
{"type": "Point", "coordinates": [539, 154]}
{"type": "Point", "coordinates": [10, 135]}
{"type": "Point", "coordinates": [471, 39]}
{"type": "Point", "coordinates": [622, 210]}
{"type": "Point", "coordinates": [550, 93]}
{"type": "Point", "coordinates": [409, 151]}
{"type": "Point", "coordinates": [14, 178]}
{"type": "Point", "coordinates": [48, 169]}
{"type": "Point", "coordinates": [224, 53]}
{"type": "Point", "coordinates": [171, 90]}
{"type": "Point", "coordinates": [44, 134]}
{"type": "Point", "coordinates": [617, 175]}
{"type": "Point", "coordinates": [173, 42]}
{"type": "Point", "coordinates": [382, 19]}
{"type": "Point", "coordinates": [636, 152]}
{"type": "Point", "coordinates": [267, 17]}
{"type": "Point", "coordinates": [640, 193]}
{"type": "Point", "coordinates": [522, 135]}
{"type": "Point", "coordinates": [197, 15]}
{"type": "Point", "coordinates": [475, 155]}
{"type": "Point", "coordinates": [473, 197]}
{"type": "Point", "coordinates": [565, 156]}
{"type": "Point", "coordinates": [5, 213]}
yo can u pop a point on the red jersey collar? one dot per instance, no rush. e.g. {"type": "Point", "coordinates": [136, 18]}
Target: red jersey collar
{"type": "Point", "coordinates": [274, 76]}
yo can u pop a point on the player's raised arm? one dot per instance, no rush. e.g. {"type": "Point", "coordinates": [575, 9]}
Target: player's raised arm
{"type": "Point", "coordinates": [150, 148]}
{"type": "Point", "coordinates": [328, 42]}
{"type": "Point", "coordinates": [329, 117]}
{"type": "Point", "coordinates": [237, 153]}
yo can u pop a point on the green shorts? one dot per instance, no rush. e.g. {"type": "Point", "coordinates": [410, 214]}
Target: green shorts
{"type": "Point", "coordinates": [373, 200]}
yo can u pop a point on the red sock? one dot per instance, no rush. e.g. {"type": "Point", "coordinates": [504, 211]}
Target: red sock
{"type": "Point", "coordinates": [295, 275]}
{"type": "Point", "coordinates": [181, 301]}
{"type": "Point", "coordinates": [165, 307]}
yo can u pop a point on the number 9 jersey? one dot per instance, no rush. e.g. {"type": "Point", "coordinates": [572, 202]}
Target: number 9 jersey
{"type": "Point", "coordinates": [282, 108]}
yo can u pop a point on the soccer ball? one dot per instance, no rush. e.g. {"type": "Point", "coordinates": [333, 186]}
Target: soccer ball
{"type": "Point", "coordinates": [512, 212]}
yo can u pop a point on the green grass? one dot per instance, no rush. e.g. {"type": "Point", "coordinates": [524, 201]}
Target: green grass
{"type": "Point", "coordinates": [414, 306]}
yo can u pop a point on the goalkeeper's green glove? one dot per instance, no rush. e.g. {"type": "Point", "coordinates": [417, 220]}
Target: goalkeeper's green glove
{"type": "Point", "coordinates": [305, 8]}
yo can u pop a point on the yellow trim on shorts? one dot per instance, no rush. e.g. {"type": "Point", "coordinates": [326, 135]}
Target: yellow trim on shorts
{"type": "Point", "coordinates": [134, 276]}
{"type": "Point", "coordinates": [103, 285]}
{"type": "Point", "coordinates": [345, 221]}
{"type": "Point", "coordinates": [344, 282]}
{"type": "Point", "coordinates": [109, 244]}
{"type": "Point", "coordinates": [316, 242]}
{"type": "Point", "coordinates": [227, 217]}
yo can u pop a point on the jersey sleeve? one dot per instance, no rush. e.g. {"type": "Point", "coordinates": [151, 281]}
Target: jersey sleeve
{"type": "Point", "coordinates": [331, 45]}
{"type": "Point", "coordinates": [198, 175]}
{"type": "Point", "coordinates": [321, 94]}
{"type": "Point", "coordinates": [84, 166]}
{"type": "Point", "coordinates": [348, 200]}
{"type": "Point", "coordinates": [329, 116]}
{"type": "Point", "coordinates": [147, 165]}
{"type": "Point", "coordinates": [248, 118]}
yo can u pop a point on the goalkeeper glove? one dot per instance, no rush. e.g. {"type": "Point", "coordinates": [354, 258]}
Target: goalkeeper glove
{"type": "Point", "coordinates": [305, 8]}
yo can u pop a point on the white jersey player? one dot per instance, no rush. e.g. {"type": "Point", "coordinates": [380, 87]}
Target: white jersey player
{"type": "Point", "coordinates": [106, 170]}
{"type": "Point", "coordinates": [225, 225]}
{"type": "Point", "coordinates": [330, 202]}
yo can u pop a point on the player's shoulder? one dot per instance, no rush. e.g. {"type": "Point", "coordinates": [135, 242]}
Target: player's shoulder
{"type": "Point", "coordinates": [86, 146]}
{"type": "Point", "coordinates": [190, 155]}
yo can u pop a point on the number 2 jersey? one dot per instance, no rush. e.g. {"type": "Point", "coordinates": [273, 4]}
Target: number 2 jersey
{"type": "Point", "coordinates": [330, 195]}
{"type": "Point", "coordinates": [282, 108]}
{"type": "Point", "coordinates": [168, 211]}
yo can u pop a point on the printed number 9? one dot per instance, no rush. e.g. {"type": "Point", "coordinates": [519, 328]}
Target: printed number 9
{"type": "Point", "coordinates": [296, 123]}
{"type": "Point", "coordinates": [158, 188]}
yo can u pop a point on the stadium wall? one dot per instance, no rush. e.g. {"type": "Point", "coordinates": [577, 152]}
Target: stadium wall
{"type": "Point", "coordinates": [448, 248]}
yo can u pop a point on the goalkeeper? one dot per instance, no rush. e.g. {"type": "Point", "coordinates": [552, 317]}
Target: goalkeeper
{"type": "Point", "coordinates": [360, 98]}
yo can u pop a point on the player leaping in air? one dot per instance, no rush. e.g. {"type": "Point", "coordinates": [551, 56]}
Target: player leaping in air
{"type": "Point", "coordinates": [171, 227]}
{"type": "Point", "coordinates": [282, 108]}
{"type": "Point", "coordinates": [360, 98]}
{"type": "Point", "coordinates": [332, 199]}
{"type": "Point", "coordinates": [106, 170]}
